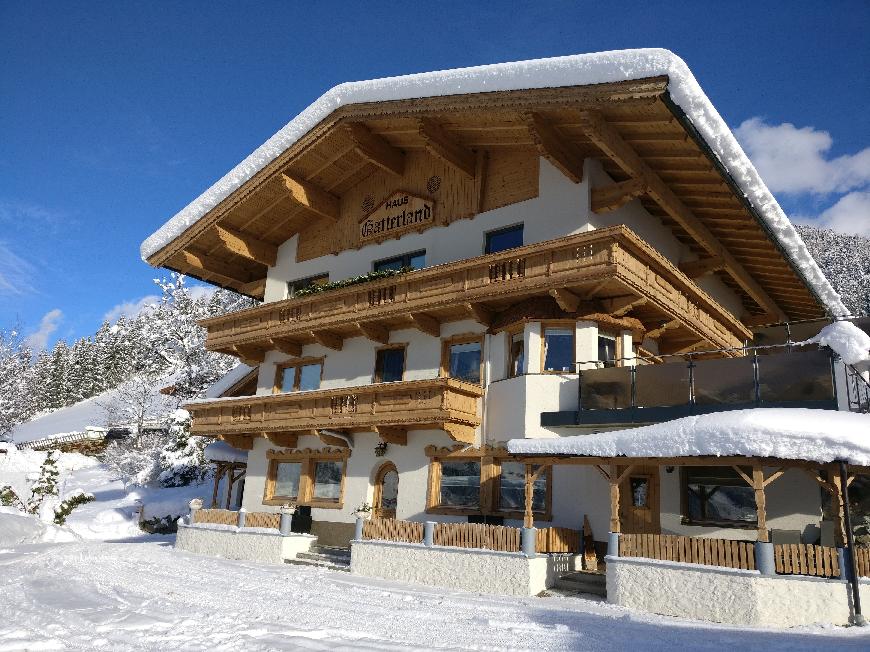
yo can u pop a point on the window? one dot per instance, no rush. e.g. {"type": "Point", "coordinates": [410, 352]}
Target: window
{"type": "Point", "coordinates": [327, 480]}
{"type": "Point", "coordinates": [310, 478]}
{"type": "Point", "coordinates": [517, 355]}
{"type": "Point", "coordinates": [287, 480]}
{"type": "Point", "coordinates": [300, 284]}
{"type": "Point", "coordinates": [503, 239]}
{"type": "Point", "coordinates": [607, 350]}
{"type": "Point", "coordinates": [460, 483]}
{"type": "Point", "coordinates": [512, 488]}
{"type": "Point", "coordinates": [413, 260]}
{"type": "Point", "coordinates": [389, 364]}
{"type": "Point", "coordinates": [461, 358]}
{"type": "Point", "coordinates": [717, 496]}
{"type": "Point", "coordinates": [299, 376]}
{"type": "Point", "coordinates": [558, 349]}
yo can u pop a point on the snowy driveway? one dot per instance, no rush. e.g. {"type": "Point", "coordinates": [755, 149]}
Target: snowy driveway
{"type": "Point", "coordinates": [146, 596]}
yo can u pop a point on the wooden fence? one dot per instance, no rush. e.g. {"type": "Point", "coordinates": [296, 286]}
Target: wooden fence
{"type": "Point", "coordinates": [692, 550]}
{"type": "Point", "coordinates": [477, 535]}
{"type": "Point", "coordinates": [862, 560]}
{"type": "Point", "coordinates": [229, 517]}
{"type": "Point", "coordinates": [557, 539]}
{"type": "Point", "coordinates": [806, 559]}
{"type": "Point", "coordinates": [389, 529]}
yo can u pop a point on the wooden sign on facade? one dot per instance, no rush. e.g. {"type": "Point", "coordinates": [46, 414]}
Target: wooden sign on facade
{"type": "Point", "coordinates": [399, 213]}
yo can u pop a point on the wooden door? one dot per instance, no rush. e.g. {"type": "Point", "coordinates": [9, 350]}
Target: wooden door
{"type": "Point", "coordinates": [386, 491]}
{"type": "Point", "coordinates": [639, 501]}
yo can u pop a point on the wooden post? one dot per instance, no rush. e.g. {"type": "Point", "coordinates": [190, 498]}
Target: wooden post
{"type": "Point", "coordinates": [614, 499]}
{"type": "Point", "coordinates": [219, 471]}
{"type": "Point", "coordinates": [760, 503]}
{"type": "Point", "coordinates": [837, 498]}
{"type": "Point", "coordinates": [529, 520]}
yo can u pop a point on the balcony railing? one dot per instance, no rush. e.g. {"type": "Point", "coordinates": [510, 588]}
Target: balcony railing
{"type": "Point", "coordinates": [452, 291]}
{"type": "Point", "coordinates": [440, 403]}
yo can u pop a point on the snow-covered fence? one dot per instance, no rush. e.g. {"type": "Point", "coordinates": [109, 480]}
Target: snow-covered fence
{"type": "Point", "coordinates": [692, 550]}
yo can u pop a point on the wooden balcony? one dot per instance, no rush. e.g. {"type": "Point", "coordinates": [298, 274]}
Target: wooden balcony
{"type": "Point", "coordinates": [390, 409]}
{"type": "Point", "coordinates": [608, 271]}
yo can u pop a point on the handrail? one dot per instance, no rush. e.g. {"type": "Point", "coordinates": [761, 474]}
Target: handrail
{"type": "Point", "coordinates": [861, 400]}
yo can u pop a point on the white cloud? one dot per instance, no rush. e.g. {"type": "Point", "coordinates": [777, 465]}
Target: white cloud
{"type": "Point", "coordinates": [795, 160]}
{"type": "Point", "coordinates": [130, 308]}
{"type": "Point", "coordinates": [16, 274]}
{"type": "Point", "coordinates": [851, 214]}
{"type": "Point", "coordinates": [47, 325]}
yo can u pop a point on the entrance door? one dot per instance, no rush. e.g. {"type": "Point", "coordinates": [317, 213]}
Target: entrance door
{"type": "Point", "coordinates": [386, 491]}
{"type": "Point", "coordinates": [639, 501]}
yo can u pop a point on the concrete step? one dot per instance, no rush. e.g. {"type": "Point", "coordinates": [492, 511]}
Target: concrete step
{"type": "Point", "coordinates": [580, 582]}
{"type": "Point", "coordinates": [307, 559]}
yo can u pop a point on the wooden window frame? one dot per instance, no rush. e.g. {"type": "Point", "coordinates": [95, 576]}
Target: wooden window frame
{"type": "Point", "coordinates": [404, 257]}
{"type": "Point", "coordinates": [301, 362]}
{"type": "Point", "coordinates": [490, 486]}
{"type": "Point", "coordinates": [464, 338]}
{"type": "Point", "coordinates": [311, 281]}
{"type": "Point", "coordinates": [521, 226]}
{"type": "Point", "coordinates": [684, 510]}
{"type": "Point", "coordinates": [617, 346]}
{"type": "Point", "coordinates": [308, 459]}
{"type": "Point", "coordinates": [389, 347]}
{"type": "Point", "coordinates": [377, 496]}
{"type": "Point", "coordinates": [554, 324]}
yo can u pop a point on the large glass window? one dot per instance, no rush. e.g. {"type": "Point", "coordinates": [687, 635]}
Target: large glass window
{"type": "Point", "coordinates": [389, 365]}
{"type": "Point", "coordinates": [517, 355]}
{"type": "Point", "coordinates": [413, 260]}
{"type": "Point", "coordinates": [607, 350]}
{"type": "Point", "coordinates": [327, 480]}
{"type": "Point", "coordinates": [287, 476]}
{"type": "Point", "coordinates": [464, 361]}
{"type": "Point", "coordinates": [300, 377]}
{"type": "Point", "coordinates": [558, 349]}
{"type": "Point", "coordinates": [718, 495]}
{"type": "Point", "coordinates": [460, 483]}
{"type": "Point", "coordinates": [300, 284]}
{"type": "Point", "coordinates": [512, 488]}
{"type": "Point", "coordinates": [502, 239]}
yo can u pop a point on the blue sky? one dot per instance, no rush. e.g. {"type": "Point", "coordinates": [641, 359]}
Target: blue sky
{"type": "Point", "coordinates": [113, 116]}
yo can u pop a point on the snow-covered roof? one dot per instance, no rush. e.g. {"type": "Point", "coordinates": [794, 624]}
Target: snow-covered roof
{"type": "Point", "coordinates": [576, 70]}
{"type": "Point", "coordinates": [229, 379]}
{"type": "Point", "coordinates": [847, 340]}
{"type": "Point", "coordinates": [220, 451]}
{"type": "Point", "coordinates": [784, 433]}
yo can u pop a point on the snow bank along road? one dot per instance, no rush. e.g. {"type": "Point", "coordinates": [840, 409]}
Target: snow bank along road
{"type": "Point", "coordinates": [146, 596]}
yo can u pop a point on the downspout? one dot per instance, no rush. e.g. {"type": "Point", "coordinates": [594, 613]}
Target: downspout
{"type": "Point", "coordinates": [852, 573]}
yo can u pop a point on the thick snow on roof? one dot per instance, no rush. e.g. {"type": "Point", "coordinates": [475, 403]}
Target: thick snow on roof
{"type": "Point", "coordinates": [576, 70]}
{"type": "Point", "coordinates": [75, 418]}
{"type": "Point", "coordinates": [785, 433]}
{"type": "Point", "coordinates": [847, 340]}
{"type": "Point", "coordinates": [220, 451]}
{"type": "Point", "coordinates": [229, 379]}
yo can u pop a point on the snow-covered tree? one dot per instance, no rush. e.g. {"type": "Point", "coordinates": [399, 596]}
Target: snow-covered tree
{"type": "Point", "coordinates": [845, 260]}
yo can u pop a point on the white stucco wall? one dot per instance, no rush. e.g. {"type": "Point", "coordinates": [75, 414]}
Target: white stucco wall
{"type": "Point", "coordinates": [514, 405]}
{"type": "Point", "coordinates": [727, 595]}
{"type": "Point", "coordinates": [246, 544]}
{"type": "Point", "coordinates": [467, 569]}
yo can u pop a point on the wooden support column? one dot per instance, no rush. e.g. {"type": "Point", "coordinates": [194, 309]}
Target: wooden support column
{"type": "Point", "coordinates": [219, 472]}
{"type": "Point", "coordinates": [760, 503]}
{"type": "Point", "coordinates": [528, 517]}
{"type": "Point", "coordinates": [837, 498]}
{"type": "Point", "coordinates": [615, 524]}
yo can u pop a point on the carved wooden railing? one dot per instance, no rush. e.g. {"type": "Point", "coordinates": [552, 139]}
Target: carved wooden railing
{"type": "Point", "coordinates": [446, 290]}
{"type": "Point", "coordinates": [444, 403]}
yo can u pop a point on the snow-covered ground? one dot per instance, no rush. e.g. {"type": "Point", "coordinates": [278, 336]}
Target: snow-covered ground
{"type": "Point", "coordinates": [147, 596]}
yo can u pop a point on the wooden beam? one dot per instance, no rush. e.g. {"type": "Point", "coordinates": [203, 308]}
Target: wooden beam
{"type": "Point", "coordinates": [283, 439]}
{"type": "Point", "coordinates": [460, 432]}
{"type": "Point", "coordinates": [328, 339]}
{"type": "Point", "coordinates": [567, 300]}
{"type": "Point", "coordinates": [375, 149]}
{"type": "Point", "coordinates": [554, 147]}
{"type": "Point", "coordinates": [696, 268]}
{"type": "Point", "coordinates": [442, 146]}
{"type": "Point", "coordinates": [250, 355]}
{"type": "Point", "coordinates": [480, 180]}
{"type": "Point", "coordinates": [247, 246]}
{"type": "Point", "coordinates": [313, 198]}
{"type": "Point", "coordinates": [480, 313]}
{"type": "Point", "coordinates": [242, 442]}
{"type": "Point", "coordinates": [608, 198]}
{"type": "Point", "coordinates": [254, 288]}
{"type": "Point", "coordinates": [374, 332]}
{"type": "Point", "coordinates": [426, 323]}
{"type": "Point", "coordinates": [754, 321]}
{"type": "Point", "coordinates": [224, 272]}
{"type": "Point", "coordinates": [608, 140]}
{"type": "Point", "coordinates": [332, 440]}
{"type": "Point", "coordinates": [289, 347]}
{"type": "Point", "coordinates": [681, 348]}
{"type": "Point", "coordinates": [392, 435]}
{"type": "Point", "coordinates": [661, 330]}
{"type": "Point", "coordinates": [621, 306]}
